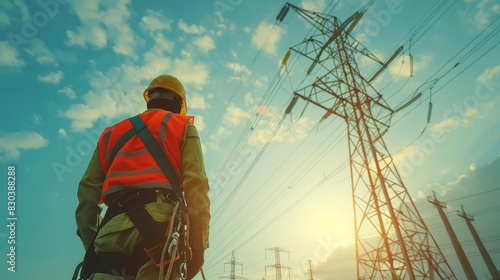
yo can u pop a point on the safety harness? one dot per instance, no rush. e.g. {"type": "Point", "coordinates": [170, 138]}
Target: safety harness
{"type": "Point", "coordinates": [158, 238]}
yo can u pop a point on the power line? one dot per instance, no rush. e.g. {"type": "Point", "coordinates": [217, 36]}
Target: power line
{"type": "Point", "coordinates": [466, 56]}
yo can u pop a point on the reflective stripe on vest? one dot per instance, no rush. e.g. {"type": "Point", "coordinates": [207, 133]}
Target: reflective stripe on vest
{"type": "Point", "coordinates": [133, 167]}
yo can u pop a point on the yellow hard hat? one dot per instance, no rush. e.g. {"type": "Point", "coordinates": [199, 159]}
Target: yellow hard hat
{"type": "Point", "coordinates": [171, 83]}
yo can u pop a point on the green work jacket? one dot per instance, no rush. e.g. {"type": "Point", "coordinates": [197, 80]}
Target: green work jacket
{"type": "Point", "coordinates": [195, 185]}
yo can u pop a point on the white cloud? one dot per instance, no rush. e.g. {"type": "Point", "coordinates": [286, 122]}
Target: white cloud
{"type": "Point", "coordinates": [267, 37]}
{"type": "Point", "coordinates": [107, 102]}
{"type": "Point", "coordinates": [63, 132]}
{"type": "Point", "coordinates": [162, 43]}
{"type": "Point", "coordinates": [261, 81]}
{"type": "Point", "coordinates": [214, 146]}
{"type": "Point", "coordinates": [314, 5]}
{"type": "Point", "coordinates": [187, 54]}
{"type": "Point", "coordinates": [472, 112]}
{"type": "Point", "coordinates": [485, 10]}
{"type": "Point", "coordinates": [11, 144]}
{"type": "Point", "coordinates": [117, 92]}
{"type": "Point", "coordinates": [51, 78]}
{"type": "Point", "coordinates": [488, 74]}
{"type": "Point", "coordinates": [9, 56]}
{"type": "Point", "coordinates": [154, 21]}
{"type": "Point", "coordinates": [215, 138]}
{"type": "Point", "coordinates": [248, 99]}
{"type": "Point", "coordinates": [86, 10]}
{"type": "Point", "coordinates": [366, 61]}
{"type": "Point", "coordinates": [199, 121]}
{"type": "Point", "coordinates": [189, 72]}
{"type": "Point", "coordinates": [100, 25]}
{"type": "Point", "coordinates": [463, 120]}
{"type": "Point", "coordinates": [16, 9]}
{"type": "Point", "coordinates": [421, 195]}
{"type": "Point", "coordinates": [235, 115]}
{"type": "Point", "coordinates": [122, 84]}
{"type": "Point", "coordinates": [481, 177]}
{"type": "Point", "coordinates": [401, 157]}
{"type": "Point", "coordinates": [473, 167]}
{"type": "Point", "coordinates": [267, 124]}
{"type": "Point", "coordinates": [196, 101]}
{"type": "Point", "coordinates": [116, 20]}
{"type": "Point", "coordinates": [237, 68]}
{"type": "Point", "coordinates": [23, 8]}
{"type": "Point", "coordinates": [155, 62]}
{"type": "Point", "coordinates": [222, 131]}
{"type": "Point", "coordinates": [91, 31]}
{"type": "Point", "coordinates": [247, 29]}
{"type": "Point", "coordinates": [125, 85]}
{"type": "Point", "coordinates": [82, 116]}
{"type": "Point", "coordinates": [205, 43]}
{"type": "Point", "coordinates": [41, 53]}
{"type": "Point", "coordinates": [68, 91]}
{"type": "Point", "coordinates": [444, 190]}
{"type": "Point", "coordinates": [93, 35]}
{"type": "Point", "coordinates": [445, 125]}
{"type": "Point", "coordinates": [192, 29]}
{"type": "Point", "coordinates": [401, 66]}
{"type": "Point", "coordinates": [480, 111]}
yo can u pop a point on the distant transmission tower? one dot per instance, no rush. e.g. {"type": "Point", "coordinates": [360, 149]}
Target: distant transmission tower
{"type": "Point", "coordinates": [310, 269]}
{"type": "Point", "coordinates": [277, 262]}
{"type": "Point", "coordinates": [495, 275]}
{"type": "Point", "coordinates": [233, 264]}
{"type": "Point", "coordinates": [392, 240]}
{"type": "Point", "coordinates": [469, 272]}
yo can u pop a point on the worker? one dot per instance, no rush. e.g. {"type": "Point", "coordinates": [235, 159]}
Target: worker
{"type": "Point", "coordinates": [123, 174]}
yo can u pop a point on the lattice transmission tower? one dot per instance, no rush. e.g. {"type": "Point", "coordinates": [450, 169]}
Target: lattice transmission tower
{"type": "Point", "coordinates": [277, 262]}
{"type": "Point", "coordinates": [392, 240]}
{"type": "Point", "coordinates": [233, 263]}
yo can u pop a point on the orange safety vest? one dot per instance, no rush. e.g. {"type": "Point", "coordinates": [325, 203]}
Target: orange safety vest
{"type": "Point", "coordinates": [133, 166]}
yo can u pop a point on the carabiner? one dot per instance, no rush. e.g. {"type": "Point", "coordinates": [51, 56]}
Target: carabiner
{"type": "Point", "coordinates": [183, 270]}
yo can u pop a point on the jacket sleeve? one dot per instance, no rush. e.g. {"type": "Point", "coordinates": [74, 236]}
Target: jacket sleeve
{"type": "Point", "coordinates": [88, 211]}
{"type": "Point", "coordinates": [195, 185]}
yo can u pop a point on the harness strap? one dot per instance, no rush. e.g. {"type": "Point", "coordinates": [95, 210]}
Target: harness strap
{"type": "Point", "coordinates": [142, 220]}
{"type": "Point", "coordinates": [120, 264]}
{"type": "Point", "coordinates": [151, 230]}
{"type": "Point", "coordinates": [158, 155]}
{"type": "Point", "coordinates": [120, 143]}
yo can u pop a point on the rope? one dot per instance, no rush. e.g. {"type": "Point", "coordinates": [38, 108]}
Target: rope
{"type": "Point", "coordinates": [163, 253]}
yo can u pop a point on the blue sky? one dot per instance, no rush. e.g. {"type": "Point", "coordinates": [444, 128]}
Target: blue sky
{"type": "Point", "coordinates": [70, 68]}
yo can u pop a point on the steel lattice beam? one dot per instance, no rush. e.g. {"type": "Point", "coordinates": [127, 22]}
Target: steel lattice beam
{"type": "Point", "coordinates": [392, 240]}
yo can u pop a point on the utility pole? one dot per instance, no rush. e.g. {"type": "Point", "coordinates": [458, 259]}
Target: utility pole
{"type": "Point", "coordinates": [495, 275]}
{"type": "Point", "coordinates": [391, 236]}
{"type": "Point", "coordinates": [233, 264]}
{"type": "Point", "coordinates": [310, 270]}
{"type": "Point", "coordinates": [469, 272]}
{"type": "Point", "coordinates": [277, 262]}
